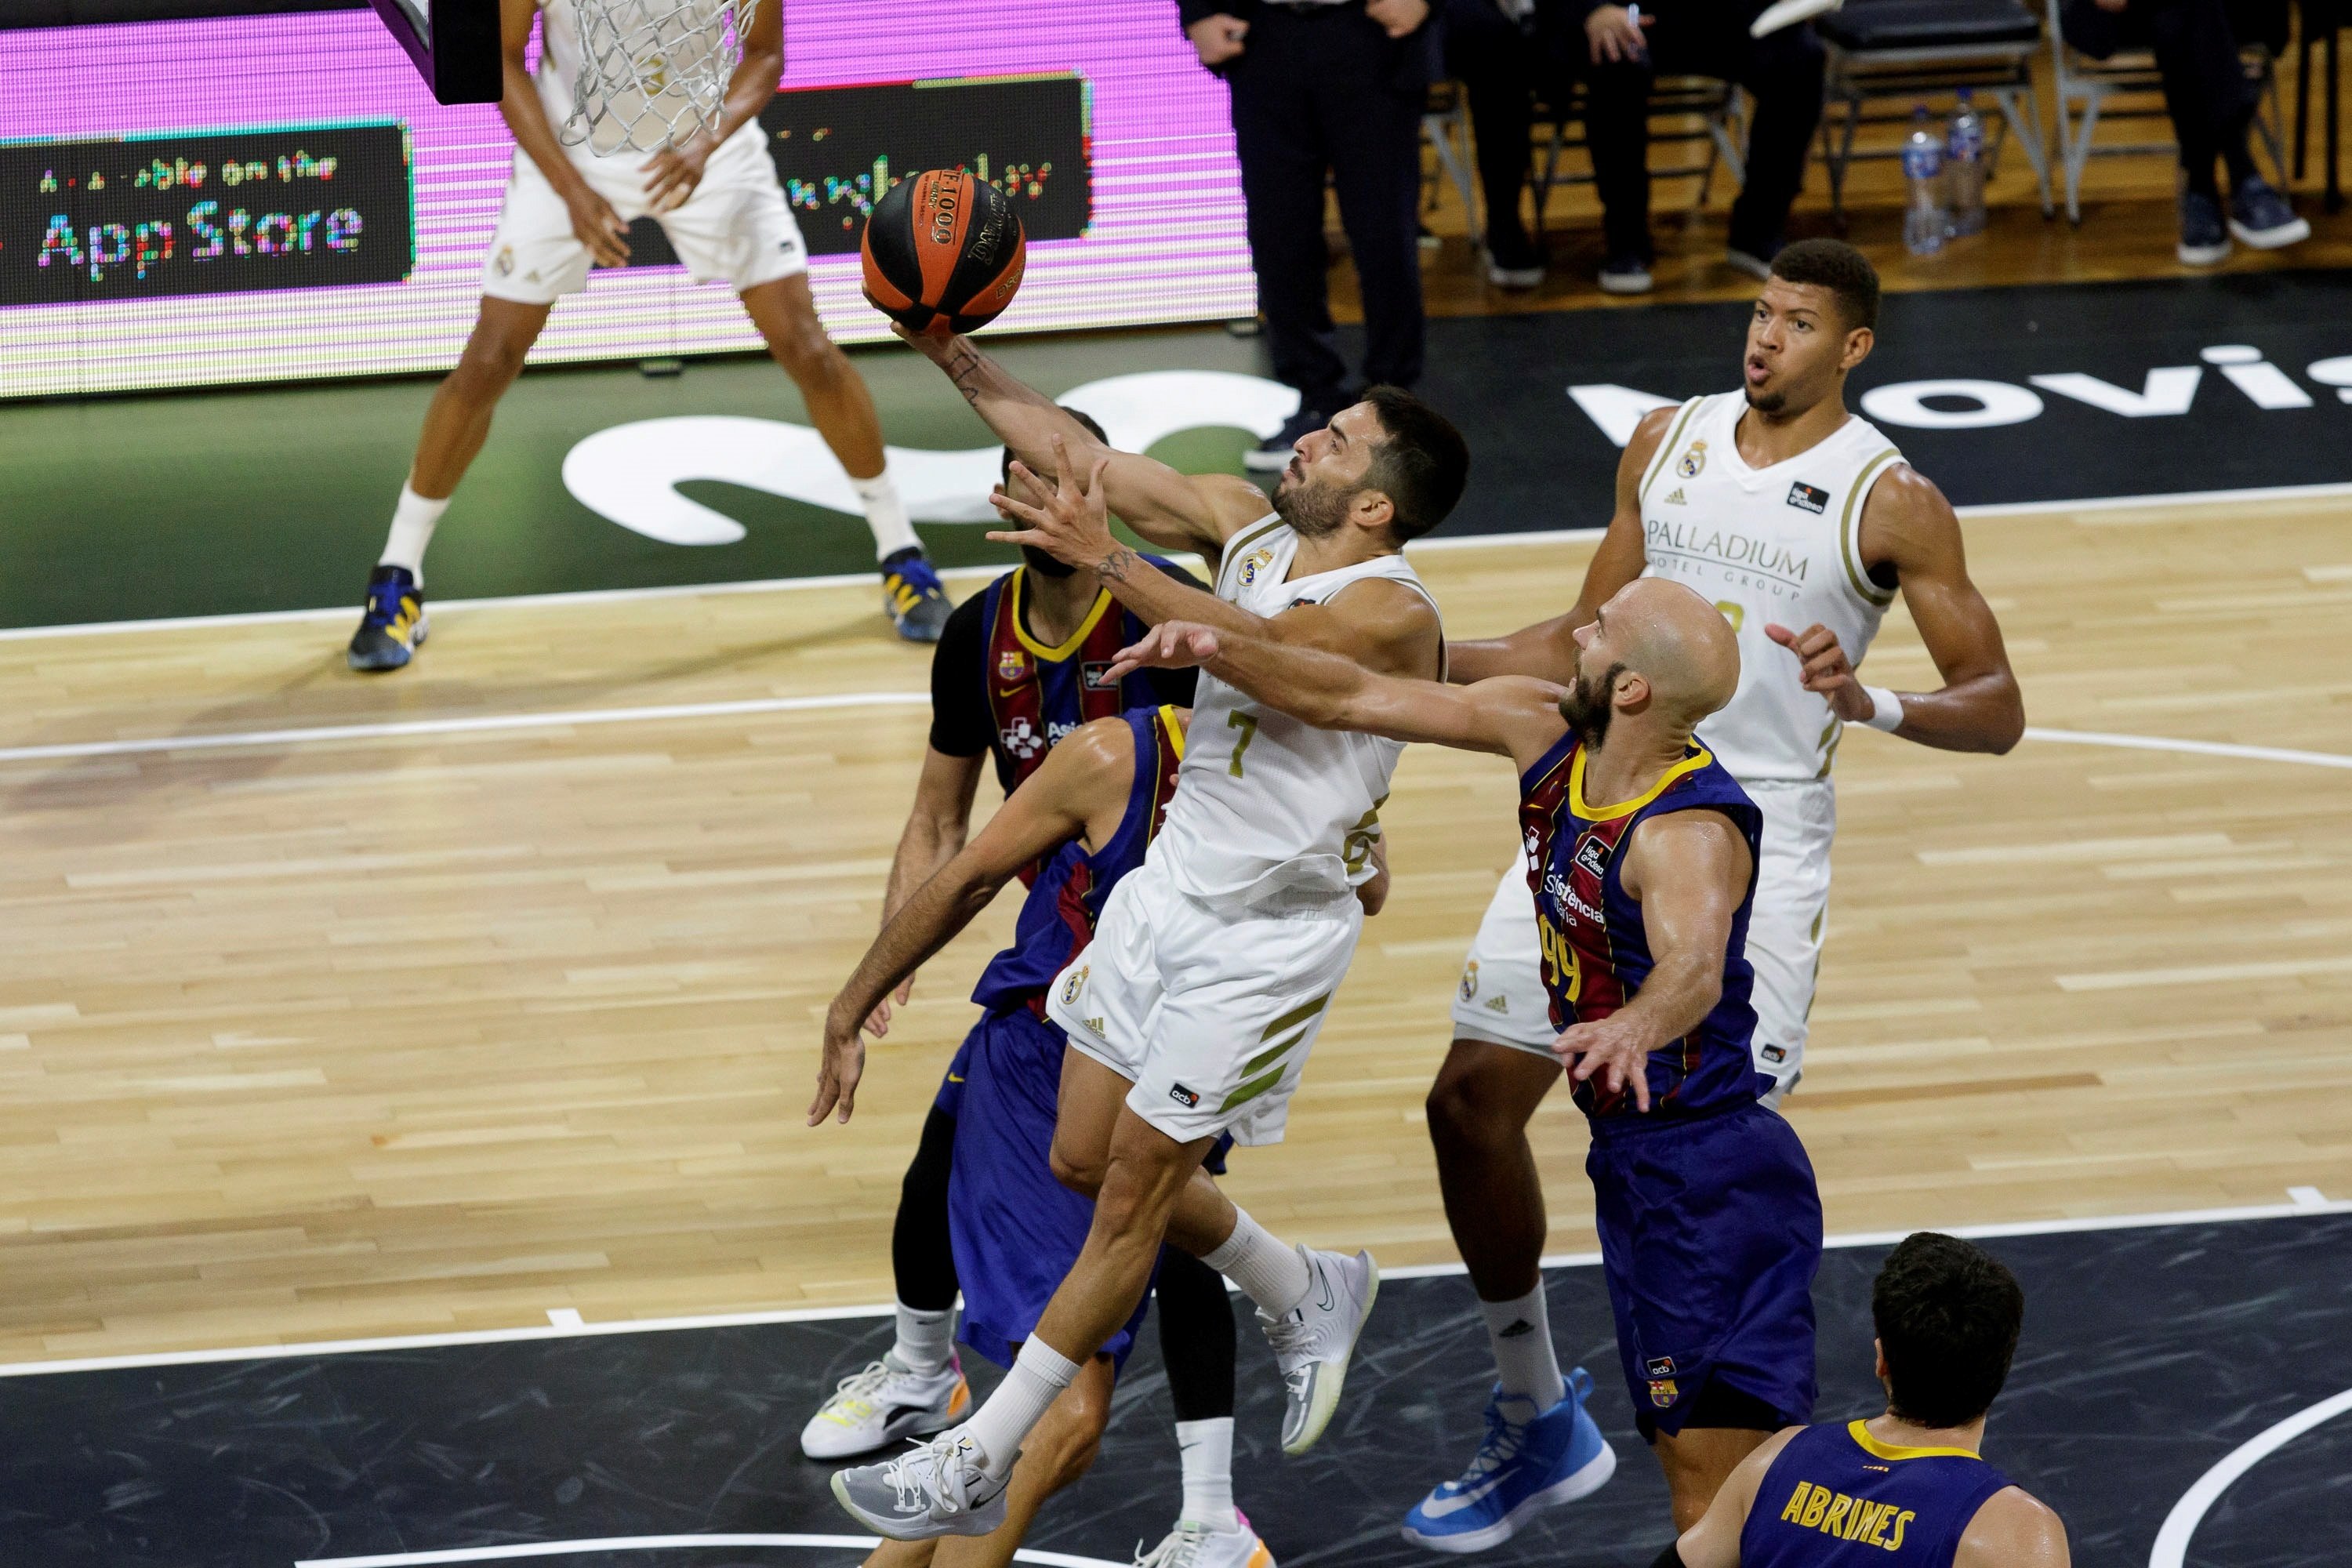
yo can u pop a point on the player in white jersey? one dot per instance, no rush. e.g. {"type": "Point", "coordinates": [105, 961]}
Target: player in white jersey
{"type": "Point", "coordinates": [717, 197]}
{"type": "Point", "coordinates": [1213, 965]}
{"type": "Point", "coordinates": [1801, 522]}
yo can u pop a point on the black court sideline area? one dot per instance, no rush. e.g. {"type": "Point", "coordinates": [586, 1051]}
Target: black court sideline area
{"type": "Point", "coordinates": [2151, 1354]}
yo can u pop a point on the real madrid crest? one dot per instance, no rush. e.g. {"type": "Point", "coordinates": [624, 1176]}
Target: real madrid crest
{"type": "Point", "coordinates": [1074, 985]}
{"type": "Point", "coordinates": [1470, 980]}
{"type": "Point", "coordinates": [1694, 460]}
{"type": "Point", "coordinates": [1255, 560]}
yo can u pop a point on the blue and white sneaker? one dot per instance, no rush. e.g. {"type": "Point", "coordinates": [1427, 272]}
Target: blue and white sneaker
{"type": "Point", "coordinates": [1528, 1460]}
{"type": "Point", "coordinates": [393, 624]}
{"type": "Point", "coordinates": [914, 596]}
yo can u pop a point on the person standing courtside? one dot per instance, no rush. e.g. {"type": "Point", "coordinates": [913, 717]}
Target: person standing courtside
{"type": "Point", "coordinates": [1628, 48]}
{"type": "Point", "coordinates": [1325, 91]}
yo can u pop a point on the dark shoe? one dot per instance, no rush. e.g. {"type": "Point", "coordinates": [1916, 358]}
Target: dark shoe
{"type": "Point", "coordinates": [914, 597]}
{"type": "Point", "coordinates": [2203, 239]}
{"type": "Point", "coordinates": [2262, 217]}
{"type": "Point", "coordinates": [1512, 260]}
{"type": "Point", "coordinates": [391, 627]}
{"type": "Point", "coordinates": [1626, 275]}
{"type": "Point", "coordinates": [1273, 455]}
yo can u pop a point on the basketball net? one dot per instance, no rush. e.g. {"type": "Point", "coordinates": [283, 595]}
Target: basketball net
{"type": "Point", "coordinates": [653, 73]}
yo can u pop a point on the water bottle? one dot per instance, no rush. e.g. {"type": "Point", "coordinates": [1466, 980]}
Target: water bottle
{"type": "Point", "coordinates": [1964, 149]}
{"type": "Point", "coordinates": [1924, 220]}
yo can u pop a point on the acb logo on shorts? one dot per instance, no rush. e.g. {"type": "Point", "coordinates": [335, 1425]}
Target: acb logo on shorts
{"type": "Point", "coordinates": [1182, 1096]}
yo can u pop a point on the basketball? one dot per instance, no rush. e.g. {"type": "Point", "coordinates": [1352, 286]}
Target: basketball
{"type": "Point", "coordinates": [943, 253]}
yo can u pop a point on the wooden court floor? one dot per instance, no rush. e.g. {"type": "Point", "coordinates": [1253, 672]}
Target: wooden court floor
{"type": "Point", "coordinates": [410, 1031]}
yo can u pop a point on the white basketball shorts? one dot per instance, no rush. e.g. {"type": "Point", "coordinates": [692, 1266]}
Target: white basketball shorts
{"type": "Point", "coordinates": [1501, 997]}
{"type": "Point", "coordinates": [1209, 1013]}
{"type": "Point", "coordinates": [736, 224]}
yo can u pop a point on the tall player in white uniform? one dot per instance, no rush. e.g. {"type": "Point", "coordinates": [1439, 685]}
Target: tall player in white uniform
{"type": "Point", "coordinates": [1801, 522]}
{"type": "Point", "coordinates": [717, 197]}
{"type": "Point", "coordinates": [1213, 966]}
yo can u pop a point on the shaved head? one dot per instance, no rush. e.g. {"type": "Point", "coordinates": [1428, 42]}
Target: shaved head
{"type": "Point", "coordinates": [1657, 649]}
{"type": "Point", "coordinates": [1680, 642]}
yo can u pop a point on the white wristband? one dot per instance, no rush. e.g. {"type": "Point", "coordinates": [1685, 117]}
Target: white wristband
{"type": "Point", "coordinates": [1886, 708]}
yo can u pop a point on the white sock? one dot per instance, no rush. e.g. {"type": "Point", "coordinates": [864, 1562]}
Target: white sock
{"type": "Point", "coordinates": [925, 1340]}
{"type": "Point", "coordinates": [886, 514]}
{"type": "Point", "coordinates": [1525, 1364]}
{"type": "Point", "coordinates": [1208, 1450]}
{"type": "Point", "coordinates": [1267, 1272]}
{"type": "Point", "coordinates": [1039, 1374]}
{"type": "Point", "coordinates": [412, 530]}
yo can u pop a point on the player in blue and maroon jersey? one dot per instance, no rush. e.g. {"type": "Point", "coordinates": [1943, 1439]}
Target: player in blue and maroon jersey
{"type": "Point", "coordinates": [1642, 852]}
{"type": "Point", "coordinates": [1087, 816]}
{"type": "Point", "coordinates": [1020, 664]}
{"type": "Point", "coordinates": [1909, 1485]}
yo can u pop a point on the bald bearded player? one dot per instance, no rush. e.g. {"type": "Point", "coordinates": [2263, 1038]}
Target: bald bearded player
{"type": "Point", "coordinates": [1642, 854]}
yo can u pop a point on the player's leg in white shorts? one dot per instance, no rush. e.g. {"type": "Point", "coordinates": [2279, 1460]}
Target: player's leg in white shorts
{"type": "Point", "coordinates": [1501, 997]}
{"type": "Point", "coordinates": [1210, 1014]}
{"type": "Point", "coordinates": [1790, 918]}
{"type": "Point", "coordinates": [735, 225]}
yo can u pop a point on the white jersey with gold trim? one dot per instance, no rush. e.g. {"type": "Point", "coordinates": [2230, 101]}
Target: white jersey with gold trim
{"type": "Point", "coordinates": [1269, 810]}
{"type": "Point", "coordinates": [1768, 546]}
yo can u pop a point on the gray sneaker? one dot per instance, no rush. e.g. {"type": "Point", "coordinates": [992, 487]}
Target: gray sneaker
{"type": "Point", "coordinates": [935, 1489]}
{"type": "Point", "coordinates": [2261, 217]}
{"type": "Point", "coordinates": [1314, 1340]}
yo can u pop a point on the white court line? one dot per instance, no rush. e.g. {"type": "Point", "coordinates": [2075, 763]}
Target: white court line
{"type": "Point", "coordinates": [2193, 748]}
{"type": "Point", "coordinates": [791, 584]}
{"type": "Point", "coordinates": [2295, 1210]}
{"type": "Point", "coordinates": [2171, 1550]}
{"type": "Point", "coordinates": [655, 1543]}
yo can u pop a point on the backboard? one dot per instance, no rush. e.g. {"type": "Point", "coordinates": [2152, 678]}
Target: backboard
{"type": "Point", "coordinates": [455, 44]}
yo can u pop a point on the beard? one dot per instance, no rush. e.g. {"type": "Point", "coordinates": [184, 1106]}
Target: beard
{"type": "Point", "coordinates": [1313, 510]}
{"type": "Point", "coordinates": [1587, 708]}
{"type": "Point", "coordinates": [1044, 564]}
{"type": "Point", "coordinates": [1767, 402]}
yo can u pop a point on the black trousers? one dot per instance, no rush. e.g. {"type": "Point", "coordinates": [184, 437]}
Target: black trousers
{"type": "Point", "coordinates": [2205, 93]}
{"type": "Point", "coordinates": [1782, 71]}
{"type": "Point", "coordinates": [1499, 66]}
{"type": "Point", "coordinates": [1316, 97]}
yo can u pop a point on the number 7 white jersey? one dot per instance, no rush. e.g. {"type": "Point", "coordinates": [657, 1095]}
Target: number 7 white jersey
{"type": "Point", "coordinates": [1268, 811]}
{"type": "Point", "coordinates": [1777, 545]}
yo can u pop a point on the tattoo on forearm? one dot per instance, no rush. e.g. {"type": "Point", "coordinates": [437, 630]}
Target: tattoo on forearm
{"type": "Point", "coordinates": [1115, 566]}
{"type": "Point", "coordinates": [964, 371]}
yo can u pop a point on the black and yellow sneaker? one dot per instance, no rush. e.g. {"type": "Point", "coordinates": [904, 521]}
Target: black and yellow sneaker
{"type": "Point", "coordinates": [913, 597]}
{"type": "Point", "coordinates": [393, 624]}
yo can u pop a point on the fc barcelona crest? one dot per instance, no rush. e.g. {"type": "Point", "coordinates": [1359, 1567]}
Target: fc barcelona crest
{"type": "Point", "coordinates": [1663, 1393]}
{"type": "Point", "coordinates": [1013, 664]}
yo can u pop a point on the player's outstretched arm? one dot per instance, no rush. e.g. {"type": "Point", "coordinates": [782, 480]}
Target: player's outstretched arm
{"type": "Point", "coordinates": [1907, 523]}
{"type": "Point", "coordinates": [1689, 870]}
{"type": "Point", "coordinates": [2014, 1529]}
{"type": "Point", "coordinates": [1547, 650]}
{"type": "Point", "coordinates": [1077, 780]}
{"type": "Point", "coordinates": [1174, 510]}
{"type": "Point", "coordinates": [1511, 716]}
{"type": "Point", "coordinates": [1714, 1541]}
{"type": "Point", "coordinates": [598, 227]}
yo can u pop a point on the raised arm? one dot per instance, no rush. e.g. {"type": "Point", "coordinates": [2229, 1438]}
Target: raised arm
{"type": "Point", "coordinates": [1092, 767]}
{"type": "Point", "coordinates": [1688, 870]}
{"type": "Point", "coordinates": [1547, 650]}
{"type": "Point", "coordinates": [1908, 524]}
{"type": "Point", "coordinates": [1512, 716]}
{"type": "Point", "coordinates": [1172, 510]}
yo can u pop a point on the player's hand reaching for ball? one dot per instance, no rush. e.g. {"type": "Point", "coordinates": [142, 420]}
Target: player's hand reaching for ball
{"type": "Point", "coordinates": [598, 227]}
{"type": "Point", "coordinates": [1614, 1050]}
{"type": "Point", "coordinates": [839, 1065]}
{"type": "Point", "coordinates": [675, 172]}
{"type": "Point", "coordinates": [1827, 671]}
{"type": "Point", "coordinates": [1171, 645]}
{"type": "Point", "coordinates": [1071, 524]}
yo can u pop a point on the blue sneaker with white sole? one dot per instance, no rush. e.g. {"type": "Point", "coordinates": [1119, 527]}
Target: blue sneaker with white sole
{"type": "Point", "coordinates": [1528, 1460]}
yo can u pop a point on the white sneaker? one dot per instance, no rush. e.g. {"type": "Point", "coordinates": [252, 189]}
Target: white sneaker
{"type": "Point", "coordinates": [937, 1488]}
{"type": "Point", "coordinates": [874, 1408]}
{"type": "Point", "coordinates": [1191, 1545]}
{"type": "Point", "coordinates": [1313, 1340]}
